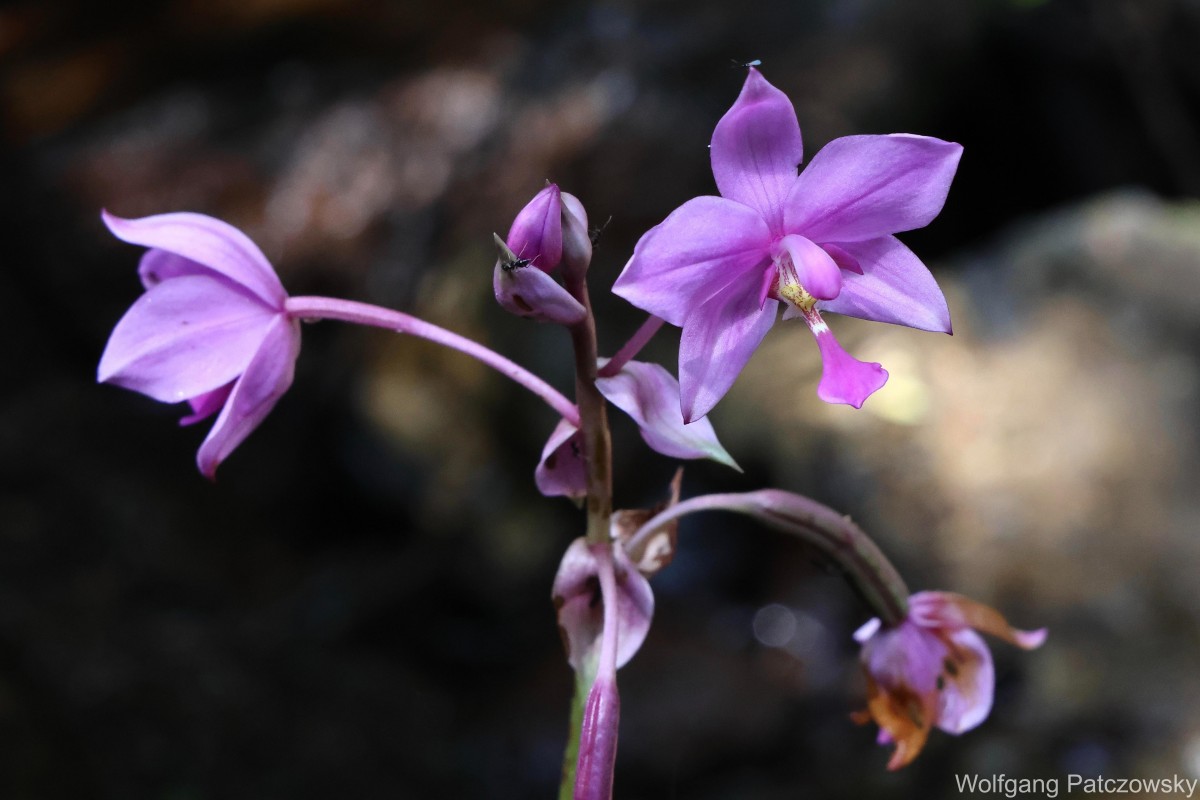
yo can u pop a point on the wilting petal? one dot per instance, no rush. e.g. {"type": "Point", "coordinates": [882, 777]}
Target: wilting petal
{"type": "Point", "coordinates": [206, 241]}
{"type": "Point", "coordinates": [756, 149]}
{"type": "Point", "coordinates": [704, 246]}
{"type": "Point", "coordinates": [967, 680]}
{"type": "Point", "coordinates": [185, 337]}
{"type": "Point", "coordinates": [650, 395]}
{"type": "Point", "coordinates": [902, 666]}
{"type": "Point", "coordinates": [562, 472]}
{"type": "Point", "coordinates": [578, 599]}
{"type": "Point", "coordinates": [536, 233]}
{"type": "Point", "coordinates": [534, 294]}
{"type": "Point", "coordinates": [267, 377]}
{"type": "Point", "coordinates": [718, 339]}
{"type": "Point", "coordinates": [863, 187]}
{"type": "Point", "coordinates": [894, 286]}
{"type": "Point", "coordinates": [955, 611]}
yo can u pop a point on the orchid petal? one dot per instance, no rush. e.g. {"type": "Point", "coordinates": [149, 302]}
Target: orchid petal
{"type": "Point", "coordinates": [562, 472]}
{"type": "Point", "coordinates": [863, 187]}
{"type": "Point", "coordinates": [967, 679]}
{"type": "Point", "coordinates": [894, 287]}
{"type": "Point", "coordinates": [650, 395]}
{"type": "Point", "coordinates": [704, 246]}
{"type": "Point", "coordinates": [536, 233]}
{"type": "Point", "coordinates": [844, 379]}
{"type": "Point", "coordinates": [817, 272]}
{"type": "Point", "coordinates": [902, 666]}
{"type": "Point", "coordinates": [157, 266]}
{"type": "Point", "coordinates": [207, 404]}
{"type": "Point", "coordinates": [267, 377]}
{"type": "Point", "coordinates": [718, 339]}
{"type": "Point", "coordinates": [580, 607]}
{"type": "Point", "coordinates": [534, 294]}
{"type": "Point", "coordinates": [206, 241]}
{"type": "Point", "coordinates": [955, 611]}
{"type": "Point", "coordinates": [185, 337]}
{"type": "Point", "coordinates": [843, 259]}
{"type": "Point", "coordinates": [756, 149]}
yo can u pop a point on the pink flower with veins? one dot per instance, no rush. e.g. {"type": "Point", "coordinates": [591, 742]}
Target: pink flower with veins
{"type": "Point", "coordinates": [718, 267]}
{"type": "Point", "coordinates": [932, 669]}
{"type": "Point", "coordinates": [211, 328]}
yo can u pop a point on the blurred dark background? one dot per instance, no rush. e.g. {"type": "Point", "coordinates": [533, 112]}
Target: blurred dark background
{"type": "Point", "coordinates": [359, 607]}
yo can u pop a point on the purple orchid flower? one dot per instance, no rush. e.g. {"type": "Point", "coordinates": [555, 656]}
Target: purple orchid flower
{"type": "Point", "coordinates": [818, 241]}
{"type": "Point", "coordinates": [932, 669]}
{"type": "Point", "coordinates": [211, 328]}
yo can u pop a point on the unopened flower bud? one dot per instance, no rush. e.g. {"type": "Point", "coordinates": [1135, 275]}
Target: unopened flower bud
{"type": "Point", "coordinates": [528, 292]}
{"type": "Point", "coordinates": [536, 235]}
{"type": "Point", "coordinates": [576, 242]}
{"type": "Point", "coordinates": [598, 741]}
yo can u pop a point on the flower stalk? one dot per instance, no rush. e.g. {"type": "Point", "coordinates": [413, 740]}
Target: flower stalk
{"type": "Point", "coordinates": [593, 415]}
{"type": "Point", "coordinates": [640, 339]}
{"type": "Point", "coordinates": [834, 535]}
{"type": "Point", "coordinates": [317, 308]}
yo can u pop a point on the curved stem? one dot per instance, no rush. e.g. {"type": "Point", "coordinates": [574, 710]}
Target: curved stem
{"type": "Point", "coordinates": [313, 308]}
{"type": "Point", "coordinates": [640, 339]}
{"type": "Point", "coordinates": [834, 535]}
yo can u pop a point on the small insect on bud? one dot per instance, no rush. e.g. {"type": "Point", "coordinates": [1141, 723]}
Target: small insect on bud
{"type": "Point", "coordinates": [523, 289]}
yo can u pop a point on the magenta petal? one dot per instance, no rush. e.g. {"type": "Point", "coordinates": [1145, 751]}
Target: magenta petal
{"type": "Point", "coordinates": [207, 404]}
{"type": "Point", "coordinates": [818, 273]}
{"type": "Point", "coordinates": [966, 697]}
{"type": "Point", "coordinates": [863, 187]}
{"type": "Point", "coordinates": [562, 472]}
{"type": "Point", "coordinates": [704, 246]}
{"type": "Point", "coordinates": [894, 287]}
{"type": "Point", "coordinates": [843, 259]}
{"type": "Point", "coordinates": [577, 597]}
{"type": "Point", "coordinates": [536, 233]}
{"type": "Point", "coordinates": [267, 377]}
{"type": "Point", "coordinates": [845, 379]}
{"type": "Point", "coordinates": [185, 337]}
{"type": "Point", "coordinates": [905, 656]}
{"type": "Point", "coordinates": [208, 242]}
{"type": "Point", "coordinates": [650, 395]}
{"type": "Point", "coordinates": [531, 293]}
{"type": "Point", "coordinates": [756, 149]}
{"type": "Point", "coordinates": [157, 266]}
{"type": "Point", "coordinates": [718, 339]}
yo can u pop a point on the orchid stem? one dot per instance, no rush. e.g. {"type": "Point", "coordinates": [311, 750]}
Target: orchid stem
{"type": "Point", "coordinates": [640, 339]}
{"type": "Point", "coordinates": [834, 535]}
{"type": "Point", "coordinates": [593, 415]}
{"type": "Point", "coordinates": [314, 308]}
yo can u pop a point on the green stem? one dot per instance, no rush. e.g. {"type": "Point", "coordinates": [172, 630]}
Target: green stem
{"type": "Point", "coordinates": [583, 684]}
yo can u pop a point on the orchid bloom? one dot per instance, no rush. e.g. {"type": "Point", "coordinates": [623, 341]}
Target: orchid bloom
{"type": "Point", "coordinates": [932, 669]}
{"type": "Point", "coordinates": [210, 329]}
{"type": "Point", "coordinates": [819, 241]}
